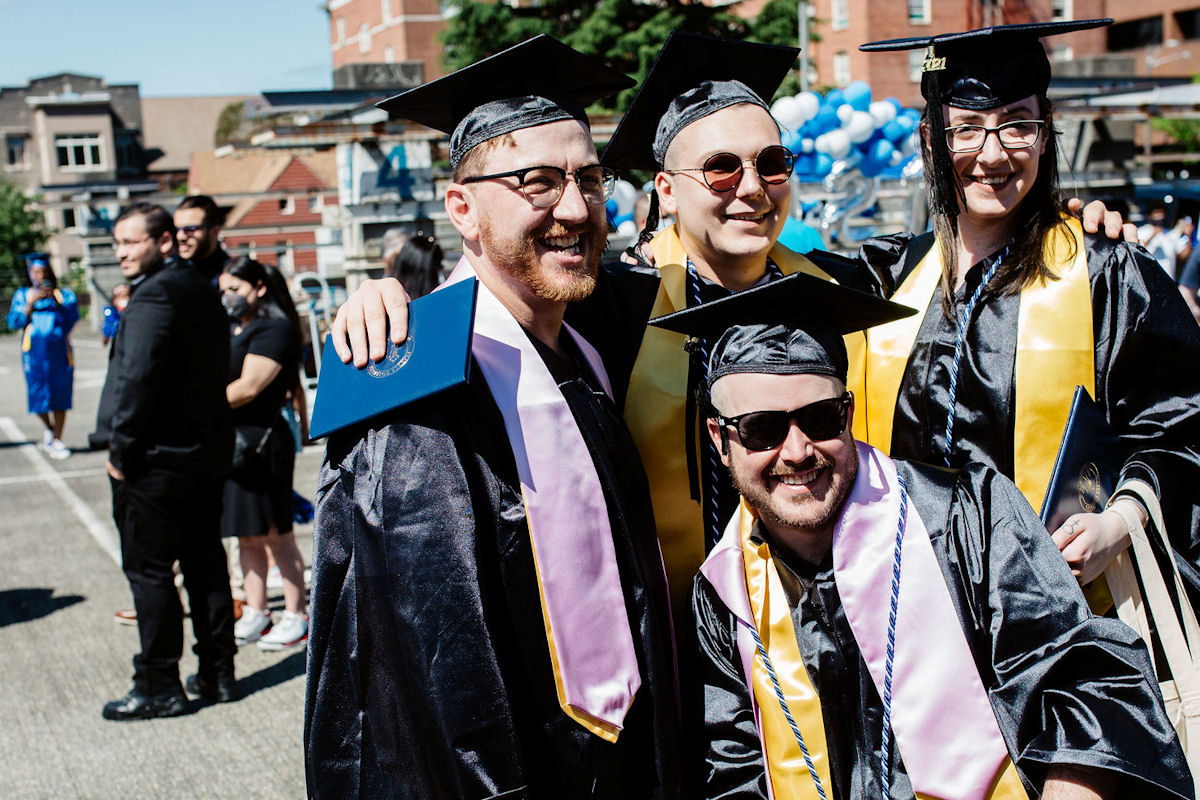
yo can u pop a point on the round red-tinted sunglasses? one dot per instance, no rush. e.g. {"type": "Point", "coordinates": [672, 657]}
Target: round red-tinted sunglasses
{"type": "Point", "coordinates": [722, 172]}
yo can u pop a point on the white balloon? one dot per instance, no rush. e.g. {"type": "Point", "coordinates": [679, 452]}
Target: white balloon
{"type": "Point", "coordinates": [626, 194]}
{"type": "Point", "coordinates": [807, 144]}
{"type": "Point", "coordinates": [809, 104]}
{"type": "Point", "coordinates": [860, 127]}
{"type": "Point", "coordinates": [821, 143]}
{"type": "Point", "coordinates": [897, 158]}
{"type": "Point", "coordinates": [882, 112]}
{"type": "Point", "coordinates": [838, 143]}
{"type": "Point", "coordinates": [627, 228]}
{"type": "Point", "coordinates": [788, 113]}
{"type": "Point", "coordinates": [844, 113]}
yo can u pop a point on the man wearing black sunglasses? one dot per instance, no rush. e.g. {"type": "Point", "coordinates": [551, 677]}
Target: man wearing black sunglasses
{"type": "Point", "coordinates": [879, 628]}
{"type": "Point", "coordinates": [198, 221]}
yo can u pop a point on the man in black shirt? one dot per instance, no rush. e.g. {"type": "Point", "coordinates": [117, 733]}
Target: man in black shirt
{"type": "Point", "coordinates": [198, 223]}
{"type": "Point", "coordinates": [169, 449]}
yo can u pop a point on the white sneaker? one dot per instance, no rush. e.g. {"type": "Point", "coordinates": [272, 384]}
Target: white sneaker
{"type": "Point", "coordinates": [252, 625]}
{"type": "Point", "coordinates": [47, 438]}
{"type": "Point", "coordinates": [57, 450]}
{"type": "Point", "coordinates": [292, 631]}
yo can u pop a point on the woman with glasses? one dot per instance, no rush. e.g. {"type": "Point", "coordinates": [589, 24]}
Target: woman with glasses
{"type": "Point", "coordinates": [1020, 308]}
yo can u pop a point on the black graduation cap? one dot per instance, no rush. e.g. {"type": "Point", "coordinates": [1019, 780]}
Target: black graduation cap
{"type": "Point", "coordinates": [694, 76]}
{"type": "Point", "coordinates": [793, 325]}
{"type": "Point", "coordinates": [976, 70]}
{"type": "Point", "coordinates": [986, 67]}
{"type": "Point", "coordinates": [538, 81]}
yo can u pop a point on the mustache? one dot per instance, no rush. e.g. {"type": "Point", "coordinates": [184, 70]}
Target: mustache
{"type": "Point", "coordinates": [807, 465]}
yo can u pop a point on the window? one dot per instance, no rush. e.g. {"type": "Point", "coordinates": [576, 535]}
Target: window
{"type": "Point", "coordinates": [841, 14]}
{"type": "Point", "coordinates": [1135, 33]}
{"type": "Point", "coordinates": [79, 151]}
{"type": "Point", "coordinates": [1061, 10]}
{"type": "Point", "coordinates": [916, 60]}
{"type": "Point", "coordinates": [918, 12]}
{"type": "Point", "coordinates": [315, 202]}
{"type": "Point", "coordinates": [68, 219]}
{"type": "Point", "coordinates": [287, 205]}
{"type": "Point", "coordinates": [387, 10]}
{"type": "Point", "coordinates": [341, 30]}
{"type": "Point", "coordinates": [364, 38]}
{"type": "Point", "coordinates": [14, 148]}
{"type": "Point", "coordinates": [389, 55]}
{"type": "Point", "coordinates": [1189, 23]}
{"type": "Point", "coordinates": [841, 68]}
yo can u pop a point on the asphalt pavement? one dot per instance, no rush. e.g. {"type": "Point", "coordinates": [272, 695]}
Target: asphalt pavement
{"type": "Point", "coordinates": [62, 657]}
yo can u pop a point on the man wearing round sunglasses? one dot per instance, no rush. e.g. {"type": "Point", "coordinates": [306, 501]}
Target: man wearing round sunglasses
{"type": "Point", "coordinates": [879, 628]}
{"type": "Point", "coordinates": [489, 612]}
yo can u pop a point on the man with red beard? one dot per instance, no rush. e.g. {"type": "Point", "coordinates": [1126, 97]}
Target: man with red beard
{"type": "Point", "coordinates": [489, 610]}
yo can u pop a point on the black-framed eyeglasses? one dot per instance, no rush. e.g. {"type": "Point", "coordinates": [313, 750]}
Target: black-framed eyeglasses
{"type": "Point", "coordinates": [190, 230]}
{"type": "Point", "coordinates": [542, 186]}
{"type": "Point", "coordinates": [1016, 135]}
{"type": "Point", "coordinates": [766, 430]}
{"type": "Point", "coordinates": [723, 171]}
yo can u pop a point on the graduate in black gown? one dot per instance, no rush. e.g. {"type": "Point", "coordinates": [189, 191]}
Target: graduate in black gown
{"type": "Point", "coordinates": [489, 610]}
{"type": "Point", "coordinates": [1046, 308]}
{"type": "Point", "coordinates": [872, 627]}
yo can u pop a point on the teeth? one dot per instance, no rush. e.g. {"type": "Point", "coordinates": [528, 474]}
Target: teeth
{"type": "Point", "coordinates": [562, 241]}
{"type": "Point", "coordinates": [802, 479]}
{"type": "Point", "coordinates": [753, 217]}
{"type": "Point", "coordinates": [992, 181]}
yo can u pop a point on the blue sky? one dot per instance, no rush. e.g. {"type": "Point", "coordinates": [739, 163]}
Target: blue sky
{"type": "Point", "coordinates": [169, 47]}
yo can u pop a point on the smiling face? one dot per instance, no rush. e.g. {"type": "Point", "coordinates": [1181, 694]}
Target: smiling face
{"type": "Point", "coordinates": [196, 240]}
{"type": "Point", "coordinates": [799, 487]}
{"type": "Point", "coordinates": [995, 180]}
{"type": "Point", "coordinates": [552, 254]}
{"type": "Point", "coordinates": [727, 232]}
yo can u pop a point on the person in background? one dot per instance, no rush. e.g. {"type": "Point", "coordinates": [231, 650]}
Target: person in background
{"type": "Point", "coordinates": [198, 222]}
{"type": "Point", "coordinates": [112, 312]}
{"type": "Point", "coordinates": [1170, 247]}
{"type": "Point", "coordinates": [44, 314]}
{"type": "Point", "coordinates": [1189, 283]}
{"type": "Point", "coordinates": [263, 358]}
{"type": "Point", "coordinates": [417, 265]}
{"type": "Point", "coordinates": [169, 445]}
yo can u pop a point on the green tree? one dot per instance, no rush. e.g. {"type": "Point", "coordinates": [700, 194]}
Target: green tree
{"type": "Point", "coordinates": [625, 33]}
{"type": "Point", "coordinates": [22, 230]}
{"type": "Point", "coordinates": [230, 122]}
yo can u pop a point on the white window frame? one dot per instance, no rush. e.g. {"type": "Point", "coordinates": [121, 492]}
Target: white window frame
{"type": "Point", "coordinates": [386, 9]}
{"type": "Point", "coordinates": [92, 144]}
{"type": "Point", "coordinates": [916, 60]}
{"type": "Point", "coordinates": [924, 12]}
{"type": "Point", "coordinates": [841, 68]}
{"type": "Point", "coordinates": [315, 203]}
{"type": "Point", "coordinates": [340, 24]}
{"type": "Point", "coordinates": [839, 15]}
{"type": "Point", "coordinates": [287, 205]}
{"type": "Point", "coordinates": [364, 38]}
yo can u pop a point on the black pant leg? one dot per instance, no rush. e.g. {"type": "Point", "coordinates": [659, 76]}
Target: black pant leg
{"type": "Point", "coordinates": [149, 548]}
{"type": "Point", "coordinates": [206, 576]}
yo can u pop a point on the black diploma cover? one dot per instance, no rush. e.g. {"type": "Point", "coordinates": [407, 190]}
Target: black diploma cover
{"type": "Point", "coordinates": [1088, 463]}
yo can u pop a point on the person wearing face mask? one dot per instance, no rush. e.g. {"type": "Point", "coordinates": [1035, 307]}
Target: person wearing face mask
{"type": "Point", "coordinates": [263, 358]}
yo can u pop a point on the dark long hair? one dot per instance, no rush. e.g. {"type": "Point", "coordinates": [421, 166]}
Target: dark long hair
{"type": "Point", "coordinates": [1035, 220]}
{"type": "Point", "coordinates": [418, 265]}
{"type": "Point", "coordinates": [277, 302]}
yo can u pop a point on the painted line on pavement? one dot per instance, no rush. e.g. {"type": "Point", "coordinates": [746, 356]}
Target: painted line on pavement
{"type": "Point", "coordinates": [105, 535]}
{"type": "Point", "coordinates": [66, 474]}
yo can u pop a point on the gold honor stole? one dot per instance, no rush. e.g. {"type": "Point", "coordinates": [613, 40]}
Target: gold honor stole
{"type": "Point", "coordinates": [656, 403]}
{"type": "Point", "coordinates": [1055, 353]}
{"type": "Point", "coordinates": [746, 578]}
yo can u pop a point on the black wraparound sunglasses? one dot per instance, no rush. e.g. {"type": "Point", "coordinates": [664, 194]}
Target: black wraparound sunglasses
{"type": "Point", "coordinates": [766, 430]}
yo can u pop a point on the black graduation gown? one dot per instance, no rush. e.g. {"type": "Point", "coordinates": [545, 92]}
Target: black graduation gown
{"type": "Point", "coordinates": [429, 674]}
{"type": "Point", "coordinates": [1066, 687]}
{"type": "Point", "coordinates": [1147, 377]}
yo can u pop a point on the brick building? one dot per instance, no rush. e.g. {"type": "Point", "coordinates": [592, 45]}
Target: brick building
{"type": "Point", "coordinates": [1150, 38]}
{"type": "Point", "coordinates": [278, 203]}
{"type": "Point", "coordinates": [372, 32]}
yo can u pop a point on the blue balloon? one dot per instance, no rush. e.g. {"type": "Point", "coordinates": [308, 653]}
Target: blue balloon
{"type": "Point", "coordinates": [895, 104]}
{"type": "Point", "coordinates": [806, 164]}
{"type": "Point", "coordinates": [824, 164]}
{"type": "Point", "coordinates": [790, 140]}
{"type": "Point", "coordinates": [826, 120]}
{"type": "Point", "coordinates": [877, 158]}
{"type": "Point", "coordinates": [858, 95]}
{"type": "Point", "coordinates": [894, 130]}
{"type": "Point", "coordinates": [835, 98]}
{"type": "Point", "coordinates": [618, 221]}
{"type": "Point", "coordinates": [610, 206]}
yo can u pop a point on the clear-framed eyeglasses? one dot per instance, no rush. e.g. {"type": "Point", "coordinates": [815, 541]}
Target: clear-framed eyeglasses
{"type": "Point", "coordinates": [1016, 135]}
{"type": "Point", "coordinates": [543, 186]}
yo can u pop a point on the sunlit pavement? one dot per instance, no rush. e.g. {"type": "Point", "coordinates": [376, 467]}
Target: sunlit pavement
{"type": "Point", "coordinates": [62, 657]}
